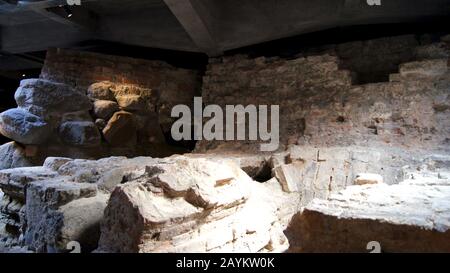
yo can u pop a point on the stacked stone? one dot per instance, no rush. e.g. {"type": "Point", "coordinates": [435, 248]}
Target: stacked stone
{"type": "Point", "coordinates": [54, 119]}
{"type": "Point", "coordinates": [82, 69]}
{"type": "Point", "coordinates": [320, 104]}
{"type": "Point", "coordinates": [13, 183]}
{"type": "Point", "coordinates": [45, 208]}
{"type": "Point", "coordinates": [122, 111]}
{"type": "Point", "coordinates": [412, 216]}
{"type": "Point", "coordinates": [191, 204]}
{"type": "Point", "coordinates": [48, 113]}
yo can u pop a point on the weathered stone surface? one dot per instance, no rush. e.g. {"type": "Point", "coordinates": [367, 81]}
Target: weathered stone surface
{"type": "Point", "coordinates": [190, 205]}
{"type": "Point", "coordinates": [14, 250]}
{"type": "Point", "coordinates": [433, 51]}
{"type": "Point", "coordinates": [50, 96]}
{"type": "Point", "coordinates": [24, 127]}
{"type": "Point", "coordinates": [429, 68]}
{"type": "Point", "coordinates": [135, 98]}
{"type": "Point", "coordinates": [417, 209]}
{"type": "Point", "coordinates": [12, 220]}
{"type": "Point", "coordinates": [131, 102]}
{"type": "Point", "coordinates": [96, 171]}
{"type": "Point", "coordinates": [409, 111]}
{"type": "Point", "coordinates": [14, 184]}
{"type": "Point", "coordinates": [120, 129]}
{"type": "Point", "coordinates": [104, 109]}
{"type": "Point", "coordinates": [14, 181]}
{"type": "Point", "coordinates": [368, 178]}
{"type": "Point", "coordinates": [101, 91]}
{"type": "Point", "coordinates": [12, 155]}
{"type": "Point", "coordinates": [54, 163]}
{"type": "Point", "coordinates": [80, 133]}
{"type": "Point", "coordinates": [59, 212]}
{"type": "Point", "coordinates": [289, 176]}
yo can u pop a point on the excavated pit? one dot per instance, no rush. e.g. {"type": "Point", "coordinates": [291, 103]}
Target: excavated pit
{"type": "Point", "coordinates": [363, 154]}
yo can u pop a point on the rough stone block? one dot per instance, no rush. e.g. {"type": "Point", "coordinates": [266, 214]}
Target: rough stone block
{"type": "Point", "coordinates": [80, 133]}
{"type": "Point", "coordinates": [24, 127]}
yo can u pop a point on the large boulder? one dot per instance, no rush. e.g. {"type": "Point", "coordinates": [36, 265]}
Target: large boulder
{"type": "Point", "coordinates": [101, 91]}
{"type": "Point", "coordinates": [191, 205]}
{"type": "Point", "coordinates": [135, 98]}
{"type": "Point", "coordinates": [120, 129]}
{"type": "Point", "coordinates": [104, 109]}
{"type": "Point", "coordinates": [80, 133]}
{"type": "Point", "coordinates": [46, 96]}
{"type": "Point", "coordinates": [24, 127]}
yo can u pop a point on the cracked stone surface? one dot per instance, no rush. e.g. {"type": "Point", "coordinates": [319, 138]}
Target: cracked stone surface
{"type": "Point", "coordinates": [412, 216]}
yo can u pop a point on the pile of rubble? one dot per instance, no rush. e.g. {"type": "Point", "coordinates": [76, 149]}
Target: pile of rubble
{"type": "Point", "coordinates": [175, 204]}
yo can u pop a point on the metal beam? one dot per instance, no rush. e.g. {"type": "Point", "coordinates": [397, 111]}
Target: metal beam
{"type": "Point", "coordinates": [190, 14]}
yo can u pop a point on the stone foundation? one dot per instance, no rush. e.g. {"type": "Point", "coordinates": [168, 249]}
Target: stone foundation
{"type": "Point", "coordinates": [370, 161]}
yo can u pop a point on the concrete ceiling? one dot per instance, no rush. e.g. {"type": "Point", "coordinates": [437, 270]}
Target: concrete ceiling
{"type": "Point", "coordinates": [206, 26]}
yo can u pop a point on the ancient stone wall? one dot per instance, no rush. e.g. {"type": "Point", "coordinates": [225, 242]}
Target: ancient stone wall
{"type": "Point", "coordinates": [346, 148]}
{"type": "Point", "coordinates": [81, 69]}
{"type": "Point", "coordinates": [88, 105]}
{"type": "Point", "coordinates": [321, 105]}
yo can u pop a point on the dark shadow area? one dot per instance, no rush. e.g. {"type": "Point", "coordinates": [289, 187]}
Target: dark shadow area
{"type": "Point", "coordinates": [181, 59]}
{"type": "Point", "coordinates": [370, 61]}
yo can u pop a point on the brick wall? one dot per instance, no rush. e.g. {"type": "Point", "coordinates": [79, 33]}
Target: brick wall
{"type": "Point", "coordinates": [321, 105]}
{"type": "Point", "coordinates": [80, 69]}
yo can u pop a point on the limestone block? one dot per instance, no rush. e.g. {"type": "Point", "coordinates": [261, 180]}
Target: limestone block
{"type": "Point", "coordinates": [131, 102]}
{"type": "Point", "coordinates": [135, 98]}
{"type": "Point", "coordinates": [13, 155]}
{"type": "Point", "coordinates": [54, 163]}
{"type": "Point", "coordinates": [289, 176]}
{"type": "Point", "coordinates": [120, 129]}
{"type": "Point", "coordinates": [59, 212]}
{"type": "Point", "coordinates": [13, 182]}
{"type": "Point", "coordinates": [368, 178]}
{"type": "Point", "coordinates": [101, 91]}
{"type": "Point", "coordinates": [191, 205]}
{"type": "Point", "coordinates": [50, 96]}
{"type": "Point", "coordinates": [80, 133]}
{"type": "Point", "coordinates": [24, 127]}
{"type": "Point", "coordinates": [104, 109]}
{"type": "Point", "coordinates": [429, 68]}
{"type": "Point", "coordinates": [417, 209]}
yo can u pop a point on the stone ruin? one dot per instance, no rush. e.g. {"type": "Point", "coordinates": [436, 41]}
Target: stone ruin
{"type": "Point", "coordinates": [91, 162]}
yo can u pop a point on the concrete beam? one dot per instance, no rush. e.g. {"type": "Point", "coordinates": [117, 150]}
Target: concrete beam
{"type": "Point", "coordinates": [37, 37]}
{"type": "Point", "coordinates": [81, 19]}
{"type": "Point", "coordinates": [191, 15]}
